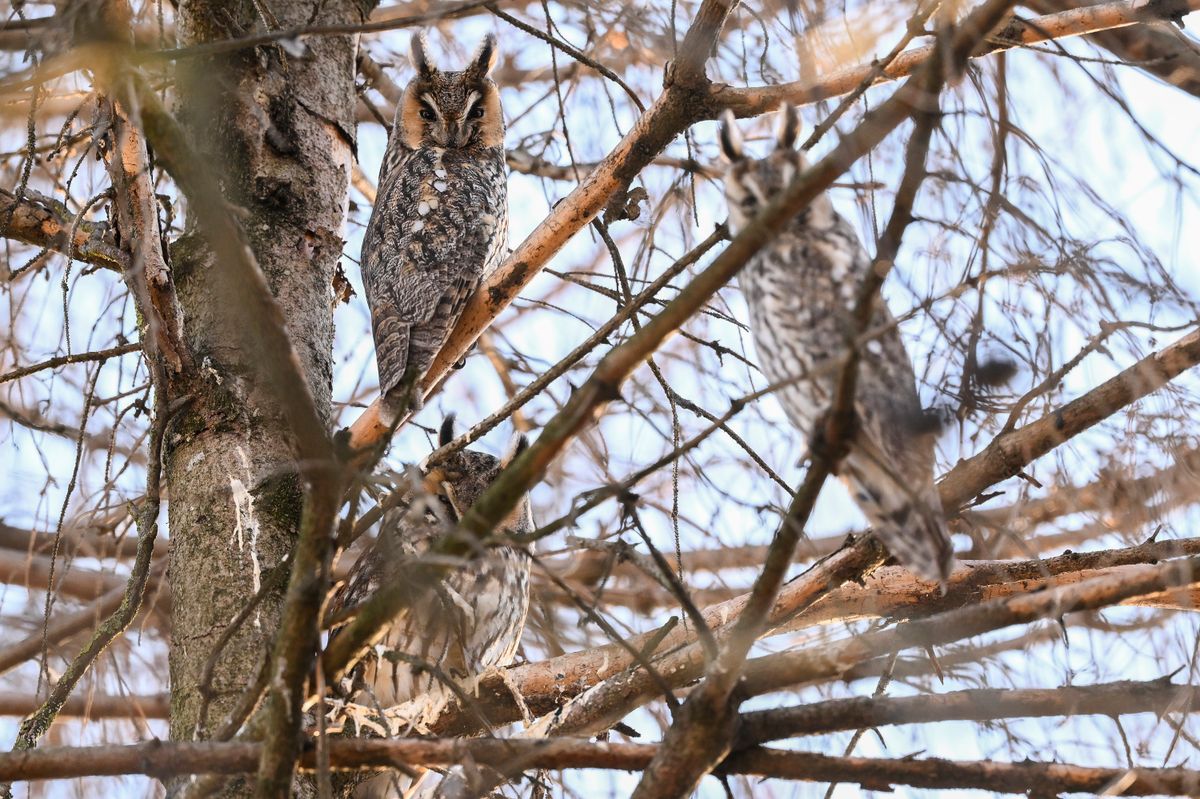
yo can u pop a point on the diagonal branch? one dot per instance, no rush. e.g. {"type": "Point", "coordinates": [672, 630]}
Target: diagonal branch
{"type": "Point", "coordinates": [1010, 452]}
{"type": "Point", "coordinates": [1062, 25]}
{"type": "Point", "coordinates": [63, 360]}
{"type": "Point", "coordinates": [1158, 49]}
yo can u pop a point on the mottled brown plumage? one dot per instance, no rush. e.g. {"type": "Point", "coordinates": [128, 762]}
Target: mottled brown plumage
{"type": "Point", "coordinates": [801, 289]}
{"type": "Point", "coordinates": [470, 621]}
{"type": "Point", "coordinates": [473, 617]}
{"type": "Point", "coordinates": [440, 221]}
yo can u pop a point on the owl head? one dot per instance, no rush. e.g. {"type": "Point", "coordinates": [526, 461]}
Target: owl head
{"type": "Point", "coordinates": [459, 110]}
{"type": "Point", "coordinates": [749, 182]}
{"type": "Point", "coordinates": [461, 477]}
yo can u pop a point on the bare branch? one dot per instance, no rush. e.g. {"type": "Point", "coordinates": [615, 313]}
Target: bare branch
{"type": "Point", "coordinates": [1010, 452]}
{"type": "Point", "coordinates": [63, 360]}
{"type": "Point", "coordinates": [1061, 25]}
{"type": "Point", "coordinates": [1109, 699]}
{"type": "Point", "coordinates": [167, 759]}
{"type": "Point", "coordinates": [773, 672]}
{"type": "Point", "coordinates": [148, 276]}
{"type": "Point", "coordinates": [90, 706]}
{"type": "Point", "coordinates": [45, 223]}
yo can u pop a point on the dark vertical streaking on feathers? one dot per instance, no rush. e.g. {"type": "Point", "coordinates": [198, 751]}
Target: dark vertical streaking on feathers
{"type": "Point", "coordinates": [801, 290]}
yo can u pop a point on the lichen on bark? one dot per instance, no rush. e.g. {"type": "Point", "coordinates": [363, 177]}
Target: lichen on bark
{"type": "Point", "coordinates": [279, 129]}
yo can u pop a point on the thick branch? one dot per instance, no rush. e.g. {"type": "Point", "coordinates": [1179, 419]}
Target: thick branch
{"type": "Point", "coordinates": [773, 672]}
{"type": "Point", "coordinates": [1109, 699]}
{"type": "Point", "coordinates": [148, 276]}
{"type": "Point", "coordinates": [1158, 49]}
{"type": "Point", "coordinates": [160, 759]}
{"type": "Point", "coordinates": [895, 593]}
{"type": "Point", "coordinates": [43, 222]}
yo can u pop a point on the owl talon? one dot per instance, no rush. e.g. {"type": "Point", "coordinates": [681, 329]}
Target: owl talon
{"type": "Point", "coordinates": [832, 434]}
{"type": "Point", "coordinates": [461, 362]}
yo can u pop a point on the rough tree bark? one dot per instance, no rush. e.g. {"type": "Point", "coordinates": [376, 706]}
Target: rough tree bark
{"type": "Point", "coordinates": [279, 127]}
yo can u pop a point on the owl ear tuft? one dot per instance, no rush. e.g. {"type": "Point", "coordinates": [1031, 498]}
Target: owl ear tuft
{"type": "Point", "coordinates": [731, 136]}
{"type": "Point", "coordinates": [789, 127]}
{"type": "Point", "coordinates": [418, 47]}
{"type": "Point", "coordinates": [518, 444]}
{"type": "Point", "coordinates": [485, 56]}
{"type": "Point", "coordinates": [446, 431]}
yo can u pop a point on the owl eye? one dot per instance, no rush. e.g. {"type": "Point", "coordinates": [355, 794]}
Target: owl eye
{"type": "Point", "coordinates": [476, 111]}
{"type": "Point", "coordinates": [427, 114]}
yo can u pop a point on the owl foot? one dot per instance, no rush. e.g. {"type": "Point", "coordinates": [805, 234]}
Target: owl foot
{"type": "Point", "coordinates": [831, 437]}
{"type": "Point", "coordinates": [461, 362]}
{"type": "Point", "coordinates": [395, 407]}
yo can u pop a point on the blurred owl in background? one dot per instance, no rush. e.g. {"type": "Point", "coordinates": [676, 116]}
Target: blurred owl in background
{"type": "Point", "coordinates": [801, 289]}
{"type": "Point", "coordinates": [469, 622]}
{"type": "Point", "coordinates": [440, 221]}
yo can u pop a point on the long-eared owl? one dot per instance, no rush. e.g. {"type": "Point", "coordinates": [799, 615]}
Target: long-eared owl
{"type": "Point", "coordinates": [801, 289]}
{"type": "Point", "coordinates": [469, 621]}
{"type": "Point", "coordinates": [440, 221]}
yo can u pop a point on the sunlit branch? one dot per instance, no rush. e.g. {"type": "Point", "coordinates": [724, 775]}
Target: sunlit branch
{"type": "Point", "coordinates": [46, 223]}
{"type": "Point", "coordinates": [1017, 33]}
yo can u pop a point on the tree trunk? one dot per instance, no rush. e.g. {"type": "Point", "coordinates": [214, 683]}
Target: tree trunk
{"type": "Point", "coordinates": [280, 128]}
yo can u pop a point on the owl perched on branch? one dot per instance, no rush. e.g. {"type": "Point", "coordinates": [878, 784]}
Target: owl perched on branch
{"type": "Point", "coordinates": [801, 289]}
{"type": "Point", "coordinates": [469, 621]}
{"type": "Point", "coordinates": [440, 221]}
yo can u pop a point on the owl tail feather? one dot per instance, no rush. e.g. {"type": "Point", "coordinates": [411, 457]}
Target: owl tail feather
{"type": "Point", "coordinates": [911, 525]}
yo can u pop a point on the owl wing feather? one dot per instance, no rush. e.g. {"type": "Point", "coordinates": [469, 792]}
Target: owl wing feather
{"type": "Point", "coordinates": [889, 471]}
